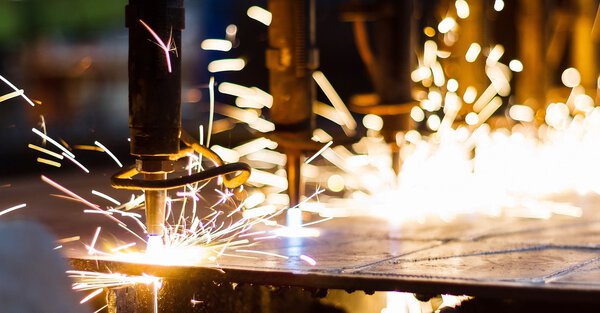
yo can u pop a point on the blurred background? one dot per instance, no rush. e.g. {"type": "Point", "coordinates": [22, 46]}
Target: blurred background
{"type": "Point", "coordinates": [71, 56]}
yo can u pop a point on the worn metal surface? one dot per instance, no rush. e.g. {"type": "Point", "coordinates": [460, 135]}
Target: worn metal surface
{"type": "Point", "coordinates": [555, 259]}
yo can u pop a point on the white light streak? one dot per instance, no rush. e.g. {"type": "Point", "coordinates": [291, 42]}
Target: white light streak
{"type": "Point", "coordinates": [335, 99]}
{"type": "Point", "coordinates": [76, 163]}
{"type": "Point", "coordinates": [462, 9]}
{"type": "Point", "coordinates": [521, 113]}
{"type": "Point", "coordinates": [571, 77]}
{"type": "Point", "coordinates": [499, 5]}
{"type": "Point", "coordinates": [105, 196]}
{"type": "Point", "coordinates": [473, 52]}
{"type": "Point", "coordinates": [259, 14]}
{"type": "Point", "coordinates": [216, 45]}
{"type": "Point", "coordinates": [515, 66]}
{"type": "Point", "coordinates": [14, 208]}
{"type": "Point", "coordinates": [101, 146]}
{"type": "Point", "coordinates": [6, 81]}
{"type": "Point", "coordinates": [226, 65]}
{"type": "Point", "coordinates": [308, 260]}
{"type": "Point", "coordinates": [373, 122]}
{"type": "Point", "coordinates": [318, 152]}
{"type": "Point", "coordinates": [91, 249]}
{"type": "Point", "coordinates": [52, 141]}
{"type": "Point", "coordinates": [446, 25]}
{"type": "Point", "coordinates": [91, 295]}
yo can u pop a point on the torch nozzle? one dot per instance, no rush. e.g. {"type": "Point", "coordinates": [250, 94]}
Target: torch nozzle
{"type": "Point", "coordinates": [156, 201]}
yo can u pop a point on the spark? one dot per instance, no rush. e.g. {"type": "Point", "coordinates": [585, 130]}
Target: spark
{"type": "Point", "coordinates": [14, 208]}
{"type": "Point", "coordinates": [446, 25]}
{"type": "Point", "coordinates": [91, 249]}
{"type": "Point", "coordinates": [11, 95]}
{"type": "Point", "coordinates": [226, 65]}
{"type": "Point", "coordinates": [102, 308]}
{"type": "Point", "coordinates": [498, 5]}
{"type": "Point", "coordinates": [521, 113]}
{"type": "Point", "coordinates": [335, 99]}
{"type": "Point", "coordinates": [68, 239]}
{"type": "Point", "coordinates": [91, 295]}
{"type": "Point", "coordinates": [46, 151]}
{"type": "Point", "coordinates": [88, 147]}
{"type": "Point", "coordinates": [76, 163]}
{"type": "Point", "coordinates": [101, 146]}
{"type": "Point", "coordinates": [123, 247]}
{"type": "Point", "coordinates": [52, 141]}
{"type": "Point", "coordinates": [48, 162]}
{"type": "Point", "coordinates": [571, 77]}
{"type": "Point", "coordinates": [6, 81]}
{"type": "Point", "coordinates": [216, 45]}
{"type": "Point", "coordinates": [515, 66]}
{"type": "Point", "coordinates": [211, 114]}
{"type": "Point", "coordinates": [58, 247]}
{"type": "Point", "coordinates": [263, 253]}
{"type": "Point", "coordinates": [105, 196]}
{"type": "Point", "coordinates": [165, 47]}
{"type": "Point", "coordinates": [325, 147]}
{"type": "Point", "coordinates": [473, 52]}
{"type": "Point", "coordinates": [259, 14]}
{"type": "Point", "coordinates": [462, 9]}
{"type": "Point", "coordinates": [308, 260]}
{"type": "Point", "coordinates": [75, 196]}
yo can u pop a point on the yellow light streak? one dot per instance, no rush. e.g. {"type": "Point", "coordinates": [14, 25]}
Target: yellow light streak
{"type": "Point", "coordinates": [216, 45]}
{"type": "Point", "coordinates": [14, 208]}
{"type": "Point", "coordinates": [226, 65]}
{"type": "Point", "coordinates": [68, 239]}
{"type": "Point", "coordinates": [48, 162]}
{"type": "Point", "coordinates": [46, 151]}
{"type": "Point", "coordinates": [259, 14]}
{"type": "Point", "coordinates": [11, 95]}
{"type": "Point", "coordinates": [123, 247]}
